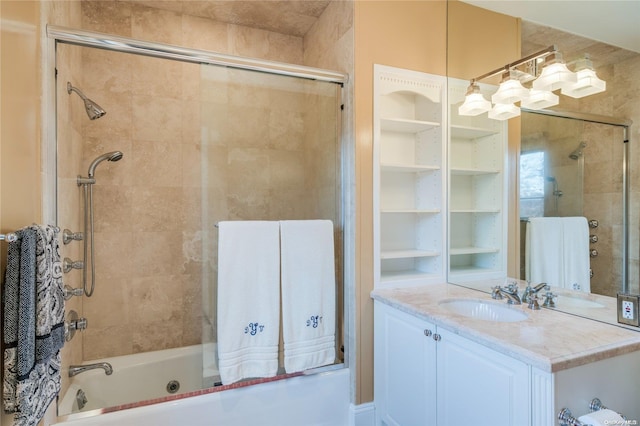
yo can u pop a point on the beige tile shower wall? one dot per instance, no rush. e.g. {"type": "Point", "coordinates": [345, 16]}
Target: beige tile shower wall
{"type": "Point", "coordinates": [148, 206]}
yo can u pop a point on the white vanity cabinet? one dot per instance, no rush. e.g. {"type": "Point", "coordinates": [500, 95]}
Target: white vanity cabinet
{"type": "Point", "coordinates": [477, 197]}
{"type": "Point", "coordinates": [427, 375]}
{"type": "Point", "coordinates": [409, 177]}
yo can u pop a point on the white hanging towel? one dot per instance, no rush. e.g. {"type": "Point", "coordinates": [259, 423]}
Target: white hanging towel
{"type": "Point", "coordinates": [308, 294]}
{"type": "Point", "coordinates": [248, 299]}
{"type": "Point", "coordinates": [544, 253]}
{"type": "Point", "coordinates": [576, 254]}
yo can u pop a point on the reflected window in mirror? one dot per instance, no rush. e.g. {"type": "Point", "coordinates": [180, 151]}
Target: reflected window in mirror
{"type": "Point", "coordinates": [532, 184]}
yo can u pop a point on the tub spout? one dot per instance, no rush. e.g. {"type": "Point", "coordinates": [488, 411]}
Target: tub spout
{"type": "Point", "coordinates": [77, 369]}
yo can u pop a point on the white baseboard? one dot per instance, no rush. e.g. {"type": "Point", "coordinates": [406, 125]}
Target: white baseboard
{"type": "Point", "coordinates": [362, 415]}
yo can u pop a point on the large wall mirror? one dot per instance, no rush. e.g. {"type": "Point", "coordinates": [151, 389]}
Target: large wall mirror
{"type": "Point", "coordinates": [573, 161]}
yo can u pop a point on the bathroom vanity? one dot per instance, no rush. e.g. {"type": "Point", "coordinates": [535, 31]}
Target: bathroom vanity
{"type": "Point", "coordinates": [449, 355]}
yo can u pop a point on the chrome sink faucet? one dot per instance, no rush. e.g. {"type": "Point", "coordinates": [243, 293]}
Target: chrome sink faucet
{"type": "Point", "coordinates": [77, 369]}
{"type": "Point", "coordinates": [510, 292]}
{"type": "Point", "coordinates": [532, 292]}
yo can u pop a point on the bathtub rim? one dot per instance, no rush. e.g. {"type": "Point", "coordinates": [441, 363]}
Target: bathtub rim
{"type": "Point", "coordinates": [169, 398]}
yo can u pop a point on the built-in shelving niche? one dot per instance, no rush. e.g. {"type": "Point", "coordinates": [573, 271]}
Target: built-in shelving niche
{"type": "Point", "coordinates": [409, 177]}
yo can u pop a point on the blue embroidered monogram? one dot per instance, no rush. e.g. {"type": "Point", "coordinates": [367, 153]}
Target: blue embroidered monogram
{"type": "Point", "coordinates": [314, 321]}
{"type": "Point", "coordinates": [254, 328]}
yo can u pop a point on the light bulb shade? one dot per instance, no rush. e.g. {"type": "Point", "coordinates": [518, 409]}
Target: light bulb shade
{"type": "Point", "coordinates": [555, 76]}
{"type": "Point", "coordinates": [540, 99]}
{"type": "Point", "coordinates": [510, 91]}
{"type": "Point", "coordinates": [474, 104]}
{"type": "Point", "coordinates": [504, 111]}
{"type": "Point", "coordinates": [588, 84]}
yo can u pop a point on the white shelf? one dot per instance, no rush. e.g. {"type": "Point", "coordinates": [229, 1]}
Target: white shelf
{"type": "Point", "coordinates": [469, 269]}
{"type": "Point", "coordinates": [416, 211]}
{"type": "Point", "coordinates": [402, 125]}
{"type": "Point", "coordinates": [473, 171]}
{"type": "Point", "coordinates": [470, 133]}
{"type": "Point", "coordinates": [406, 275]}
{"type": "Point", "coordinates": [472, 250]}
{"type": "Point", "coordinates": [481, 211]}
{"type": "Point", "coordinates": [407, 168]}
{"type": "Point", "coordinates": [406, 254]}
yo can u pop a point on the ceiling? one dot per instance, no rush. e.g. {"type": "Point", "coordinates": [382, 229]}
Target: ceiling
{"type": "Point", "coordinates": [585, 18]}
{"type": "Point", "coordinates": [292, 17]}
{"type": "Point", "coordinates": [615, 22]}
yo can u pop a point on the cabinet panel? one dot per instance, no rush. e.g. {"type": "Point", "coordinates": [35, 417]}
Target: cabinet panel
{"type": "Point", "coordinates": [479, 386]}
{"type": "Point", "coordinates": [404, 369]}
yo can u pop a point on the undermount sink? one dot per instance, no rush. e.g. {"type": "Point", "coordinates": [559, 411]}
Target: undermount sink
{"type": "Point", "coordinates": [487, 311]}
{"type": "Point", "coordinates": [569, 301]}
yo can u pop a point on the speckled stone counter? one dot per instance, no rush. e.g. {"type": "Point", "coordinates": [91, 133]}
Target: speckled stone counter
{"type": "Point", "coordinates": [549, 340]}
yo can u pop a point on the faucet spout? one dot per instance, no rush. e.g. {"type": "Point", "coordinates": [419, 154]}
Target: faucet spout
{"type": "Point", "coordinates": [77, 369]}
{"type": "Point", "coordinates": [510, 292]}
{"type": "Point", "coordinates": [533, 291]}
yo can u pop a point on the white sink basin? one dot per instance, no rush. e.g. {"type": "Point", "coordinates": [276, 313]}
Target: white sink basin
{"type": "Point", "coordinates": [482, 310]}
{"type": "Point", "coordinates": [567, 301]}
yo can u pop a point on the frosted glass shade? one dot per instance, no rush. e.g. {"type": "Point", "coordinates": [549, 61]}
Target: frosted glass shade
{"type": "Point", "coordinates": [504, 111]}
{"type": "Point", "coordinates": [539, 99]}
{"type": "Point", "coordinates": [555, 76]}
{"type": "Point", "coordinates": [510, 91]}
{"type": "Point", "coordinates": [587, 84]}
{"type": "Point", "coordinates": [474, 104]}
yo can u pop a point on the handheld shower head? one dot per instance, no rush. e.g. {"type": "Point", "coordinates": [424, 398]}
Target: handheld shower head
{"type": "Point", "coordinates": [577, 153]}
{"type": "Point", "coordinates": [94, 111]}
{"type": "Point", "coordinates": [109, 156]}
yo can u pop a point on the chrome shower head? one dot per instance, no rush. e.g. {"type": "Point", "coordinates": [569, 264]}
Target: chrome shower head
{"type": "Point", "coordinates": [577, 153]}
{"type": "Point", "coordinates": [109, 156]}
{"type": "Point", "coordinates": [94, 111]}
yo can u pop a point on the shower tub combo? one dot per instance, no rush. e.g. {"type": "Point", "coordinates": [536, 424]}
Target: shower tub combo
{"type": "Point", "coordinates": [318, 399]}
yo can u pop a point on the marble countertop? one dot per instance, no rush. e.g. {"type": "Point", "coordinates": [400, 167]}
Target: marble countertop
{"type": "Point", "coordinates": [549, 340]}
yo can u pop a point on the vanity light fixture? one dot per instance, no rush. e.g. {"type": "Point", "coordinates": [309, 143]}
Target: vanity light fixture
{"type": "Point", "coordinates": [504, 111]}
{"type": "Point", "coordinates": [540, 99]}
{"type": "Point", "coordinates": [474, 101]}
{"type": "Point", "coordinates": [510, 90]}
{"type": "Point", "coordinates": [554, 75]}
{"type": "Point", "coordinates": [587, 82]}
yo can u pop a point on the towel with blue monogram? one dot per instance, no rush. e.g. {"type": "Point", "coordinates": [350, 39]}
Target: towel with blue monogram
{"type": "Point", "coordinates": [308, 293]}
{"type": "Point", "coordinates": [248, 299]}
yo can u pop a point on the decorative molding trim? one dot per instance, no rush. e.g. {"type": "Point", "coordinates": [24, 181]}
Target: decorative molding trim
{"type": "Point", "coordinates": [362, 415]}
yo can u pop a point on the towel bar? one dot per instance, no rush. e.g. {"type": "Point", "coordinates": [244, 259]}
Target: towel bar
{"type": "Point", "coordinates": [8, 237]}
{"type": "Point", "coordinates": [596, 405]}
{"type": "Point", "coordinates": [567, 419]}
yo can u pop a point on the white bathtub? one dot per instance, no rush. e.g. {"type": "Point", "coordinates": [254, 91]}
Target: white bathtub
{"type": "Point", "coordinates": [136, 378]}
{"type": "Point", "coordinates": [320, 399]}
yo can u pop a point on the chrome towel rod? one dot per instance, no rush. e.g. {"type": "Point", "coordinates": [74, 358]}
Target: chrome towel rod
{"type": "Point", "coordinates": [8, 237]}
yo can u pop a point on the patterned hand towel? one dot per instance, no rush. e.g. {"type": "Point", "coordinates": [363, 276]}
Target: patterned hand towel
{"type": "Point", "coordinates": [33, 324]}
{"type": "Point", "coordinates": [308, 294]}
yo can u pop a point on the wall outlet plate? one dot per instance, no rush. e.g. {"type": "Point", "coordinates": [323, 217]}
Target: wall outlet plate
{"type": "Point", "coordinates": [628, 309]}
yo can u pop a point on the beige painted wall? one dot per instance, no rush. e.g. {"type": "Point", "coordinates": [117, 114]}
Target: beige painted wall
{"type": "Point", "coordinates": [20, 204]}
{"type": "Point", "coordinates": [402, 34]}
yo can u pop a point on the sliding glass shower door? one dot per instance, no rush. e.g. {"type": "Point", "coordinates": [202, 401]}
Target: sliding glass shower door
{"type": "Point", "coordinates": [270, 151]}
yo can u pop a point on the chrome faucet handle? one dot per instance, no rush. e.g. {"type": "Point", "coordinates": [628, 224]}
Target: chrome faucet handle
{"type": "Point", "coordinates": [548, 300]}
{"type": "Point", "coordinates": [513, 287]}
{"type": "Point", "coordinates": [533, 302]}
{"type": "Point", "coordinates": [495, 293]}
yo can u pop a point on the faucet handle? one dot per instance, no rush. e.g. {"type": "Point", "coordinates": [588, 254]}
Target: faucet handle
{"type": "Point", "coordinates": [513, 287]}
{"type": "Point", "coordinates": [533, 302]}
{"type": "Point", "coordinates": [495, 293]}
{"type": "Point", "coordinates": [548, 301]}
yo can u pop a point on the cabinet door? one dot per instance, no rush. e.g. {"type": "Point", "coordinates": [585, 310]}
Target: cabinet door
{"type": "Point", "coordinates": [404, 383]}
{"type": "Point", "coordinates": [479, 386]}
